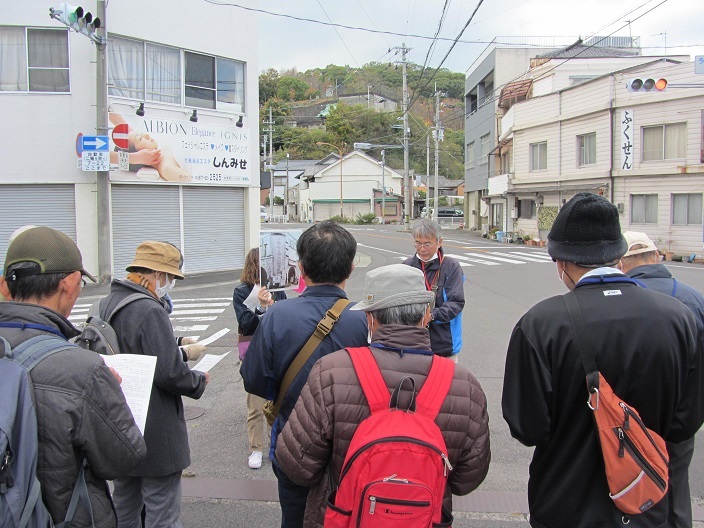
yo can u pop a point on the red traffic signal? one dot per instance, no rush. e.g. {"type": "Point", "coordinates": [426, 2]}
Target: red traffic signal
{"type": "Point", "coordinates": [647, 84]}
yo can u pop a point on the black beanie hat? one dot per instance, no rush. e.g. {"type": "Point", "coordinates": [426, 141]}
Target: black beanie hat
{"type": "Point", "coordinates": [587, 232]}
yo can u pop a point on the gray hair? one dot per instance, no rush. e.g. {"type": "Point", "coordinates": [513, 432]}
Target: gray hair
{"type": "Point", "coordinates": [406, 314]}
{"type": "Point", "coordinates": [425, 228]}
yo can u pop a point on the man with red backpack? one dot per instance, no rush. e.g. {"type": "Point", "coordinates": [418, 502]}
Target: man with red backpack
{"type": "Point", "coordinates": [435, 423]}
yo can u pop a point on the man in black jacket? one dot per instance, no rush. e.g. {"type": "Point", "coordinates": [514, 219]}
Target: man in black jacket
{"type": "Point", "coordinates": [642, 262]}
{"type": "Point", "coordinates": [326, 254]}
{"type": "Point", "coordinates": [143, 327]}
{"type": "Point", "coordinates": [647, 348]}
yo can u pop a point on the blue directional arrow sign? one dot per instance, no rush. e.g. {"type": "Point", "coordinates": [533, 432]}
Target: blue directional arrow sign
{"type": "Point", "coordinates": [95, 144]}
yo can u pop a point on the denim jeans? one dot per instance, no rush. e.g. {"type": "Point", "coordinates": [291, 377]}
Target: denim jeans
{"type": "Point", "coordinates": [292, 499]}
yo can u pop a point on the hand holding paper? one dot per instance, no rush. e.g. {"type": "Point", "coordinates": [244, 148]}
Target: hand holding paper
{"type": "Point", "coordinates": [209, 361]}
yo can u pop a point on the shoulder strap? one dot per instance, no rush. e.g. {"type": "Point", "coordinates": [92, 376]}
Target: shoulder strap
{"type": "Point", "coordinates": [434, 391]}
{"type": "Point", "coordinates": [30, 352]}
{"type": "Point", "coordinates": [107, 317]}
{"type": "Point", "coordinates": [33, 326]}
{"type": "Point", "coordinates": [324, 327]}
{"type": "Point", "coordinates": [585, 354]}
{"type": "Point", "coordinates": [370, 378]}
{"type": "Point", "coordinates": [80, 492]}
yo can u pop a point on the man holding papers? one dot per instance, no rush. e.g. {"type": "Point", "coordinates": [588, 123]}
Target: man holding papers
{"type": "Point", "coordinates": [143, 327]}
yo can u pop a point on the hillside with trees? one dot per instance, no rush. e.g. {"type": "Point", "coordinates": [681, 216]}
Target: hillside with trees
{"type": "Point", "coordinates": [289, 92]}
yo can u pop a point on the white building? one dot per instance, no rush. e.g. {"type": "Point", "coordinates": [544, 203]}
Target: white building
{"type": "Point", "coordinates": [643, 151]}
{"type": "Point", "coordinates": [353, 184]}
{"type": "Point", "coordinates": [183, 168]}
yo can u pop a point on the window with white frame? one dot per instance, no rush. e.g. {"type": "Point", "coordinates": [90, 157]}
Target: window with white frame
{"type": "Point", "coordinates": [586, 145]}
{"type": "Point", "coordinates": [644, 208]}
{"type": "Point", "coordinates": [34, 60]}
{"type": "Point", "coordinates": [151, 72]}
{"type": "Point", "coordinates": [470, 154]}
{"type": "Point", "coordinates": [485, 148]}
{"type": "Point", "coordinates": [665, 142]}
{"type": "Point", "coordinates": [687, 209]}
{"type": "Point", "coordinates": [214, 82]}
{"type": "Point", "coordinates": [539, 156]}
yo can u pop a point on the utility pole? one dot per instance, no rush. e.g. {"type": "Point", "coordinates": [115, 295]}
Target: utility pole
{"type": "Point", "coordinates": [406, 176]}
{"type": "Point", "coordinates": [83, 22]}
{"type": "Point", "coordinates": [102, 177]}
{"type": "Point", "coordinates": [270, 130]}
{"type": "Point", "coordinates": [286, 191]}
{"type": "Point", "coordinates": [437, 149]}
{"type": "Point", "coordinates": [383, 187]}
{"type": "Point", "coordinates": [427, 176]}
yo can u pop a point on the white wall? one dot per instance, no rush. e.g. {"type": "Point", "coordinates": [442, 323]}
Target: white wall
{"type": "Point", "coordinates": [40, 129]}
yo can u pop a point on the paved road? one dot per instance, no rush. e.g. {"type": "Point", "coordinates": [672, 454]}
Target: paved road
{"type": "Point", "coordinates": [504, 280]}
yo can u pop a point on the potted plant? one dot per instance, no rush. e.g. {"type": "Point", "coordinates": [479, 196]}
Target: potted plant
{"type": "Point", "coordinates": [492, 232]}
{"type": "Point", "coordinates": [528, 239]}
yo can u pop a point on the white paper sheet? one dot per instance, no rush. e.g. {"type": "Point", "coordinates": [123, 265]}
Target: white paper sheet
{"type": "Point", "coordinates": [137, 374]}
{"type": "Point", "coordinates": [214, 337]}
{"type": "Point", "coordinates": [252, 300]}
{"type": "Point", "coordinates": [209, 361]}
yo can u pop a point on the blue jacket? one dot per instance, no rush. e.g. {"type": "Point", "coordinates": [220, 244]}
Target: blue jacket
{"type": "Point", "coordinates": [280, 336]}
{"type": "Point", "coordinates": [446, 326]}
{"type": "Point", "coordinates": [658, 278]}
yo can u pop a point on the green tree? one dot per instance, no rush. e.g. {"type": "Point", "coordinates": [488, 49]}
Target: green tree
{"type": "Point", "coordinates": [268, 84]}
{"type": "Point", "coordinates": [291, 89]}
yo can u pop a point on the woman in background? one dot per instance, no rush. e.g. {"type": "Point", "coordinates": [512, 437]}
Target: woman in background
{"type": "Point", "coordinates": [250, 294]}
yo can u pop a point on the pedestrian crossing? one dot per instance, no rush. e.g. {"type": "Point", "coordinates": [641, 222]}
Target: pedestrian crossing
{"type": "Point", "coordinates": [190, 317]}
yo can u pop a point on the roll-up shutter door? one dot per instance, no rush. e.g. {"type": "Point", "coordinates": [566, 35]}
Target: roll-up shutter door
{"type": "Point", "coordinates": [325, 210]}
{"type": "Point", "coordinates": [139, 213]}
{"type": "Point", "coordinates": [213, 219]}
{"type": "Point", "coordinates": [49, 205]}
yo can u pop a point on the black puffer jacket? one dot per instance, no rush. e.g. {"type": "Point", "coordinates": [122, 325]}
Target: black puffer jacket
{"type": "Point", "coordinates": [81, 412]}
{"type": "Point", "coordinates": [332, 404]}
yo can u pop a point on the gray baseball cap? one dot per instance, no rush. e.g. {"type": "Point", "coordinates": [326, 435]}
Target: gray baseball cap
{"type": "Point", "coordinates": [394, 285]}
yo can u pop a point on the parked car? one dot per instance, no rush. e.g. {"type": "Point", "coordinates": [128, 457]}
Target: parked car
{"type": "Point", "coordinates": [263, 214]}
{"type": "Point", "coordinates": [445, 212]}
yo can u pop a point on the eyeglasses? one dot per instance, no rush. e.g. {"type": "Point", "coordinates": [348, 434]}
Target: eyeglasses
{"type": "Point", "coordinates": [83, 281]}
{"type": "Point", "coordinates": [424, 245]}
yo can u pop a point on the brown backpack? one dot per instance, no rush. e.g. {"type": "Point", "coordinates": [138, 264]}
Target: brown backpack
{"type": "Point", "coordinates": [635, 457]}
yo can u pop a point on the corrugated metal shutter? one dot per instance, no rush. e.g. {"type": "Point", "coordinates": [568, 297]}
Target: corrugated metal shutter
{"type": "Point", "coordinates": [323, 211]}
{"type": "Point", "coordinates": [213, 219]}
{"type": "Point", "coordinates": [139, 213]}
{"type": "Point", "coordinates": [49, 205]}
{"type": "Point", "coordinates": [353, 209]}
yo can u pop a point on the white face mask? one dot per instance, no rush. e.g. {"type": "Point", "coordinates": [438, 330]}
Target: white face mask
{"type": "Point", "coordinates": [166, 288]}
{"type": "Point", "coordinates": [369, 331]}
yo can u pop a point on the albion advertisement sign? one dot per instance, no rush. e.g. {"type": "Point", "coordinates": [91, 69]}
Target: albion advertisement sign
{"type": "Point", "coordinates": [147, 149]}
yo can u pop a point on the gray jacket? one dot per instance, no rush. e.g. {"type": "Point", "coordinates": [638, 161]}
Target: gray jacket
{"type": "Point", "coordinates": [81, 413]}
{"type": "Point", "coordinates": [143, 327]}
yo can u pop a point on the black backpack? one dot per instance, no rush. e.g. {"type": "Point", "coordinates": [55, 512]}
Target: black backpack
{"type": "Point", "coordinates": [97, 335]}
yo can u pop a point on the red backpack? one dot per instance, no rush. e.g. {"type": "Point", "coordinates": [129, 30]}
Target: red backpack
{"type": "Point", "coordinates": [396, 468]}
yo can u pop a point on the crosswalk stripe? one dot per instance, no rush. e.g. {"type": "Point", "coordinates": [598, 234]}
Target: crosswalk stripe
{"type": "Point", "coordinates": [193, 319]}
{"type": "Point", "coordinates": [531, 258]}
{"type": "Point", "coordinates": [470, 259]}
{"type": "Point", "coordinates": [203, 299]}
{"type": "Point", "coordinates": [178, 312]}
{"type": "Point", "coordinates": [501, 259]}
{"type": "Point", "coordinates": [191, 328]}
{"type": "Point", "coordinates": [200, 305]}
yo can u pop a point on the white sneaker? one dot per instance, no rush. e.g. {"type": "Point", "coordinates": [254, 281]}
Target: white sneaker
{"type": "Point", "coordinates": [255, 460]}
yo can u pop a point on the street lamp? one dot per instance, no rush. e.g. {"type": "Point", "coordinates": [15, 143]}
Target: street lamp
{"type": "Point", "coordinates": [321, 143]}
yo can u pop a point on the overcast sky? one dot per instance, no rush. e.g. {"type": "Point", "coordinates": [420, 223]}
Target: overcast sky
{"type": "Point", "coordinates": [287, 42]}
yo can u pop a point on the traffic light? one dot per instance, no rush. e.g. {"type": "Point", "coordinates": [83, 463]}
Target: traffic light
{"type": "Point", "coordinates": [647, 84]}
{"type": "Point", "coordinates": [76, 18]}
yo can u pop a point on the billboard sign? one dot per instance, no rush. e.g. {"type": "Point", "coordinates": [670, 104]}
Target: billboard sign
{"type": "Point", "coordinates": [151, 149]}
